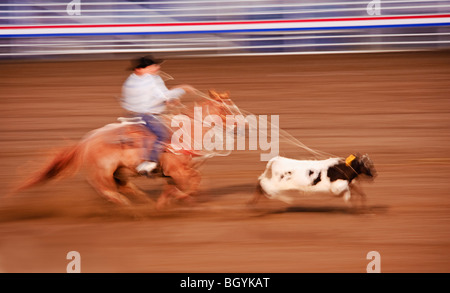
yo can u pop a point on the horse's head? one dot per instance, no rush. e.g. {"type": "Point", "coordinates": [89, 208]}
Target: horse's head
{"type": "Point", "coordinates": [366, 166]}
{"type": "Point", "coordinates": [222, 105]}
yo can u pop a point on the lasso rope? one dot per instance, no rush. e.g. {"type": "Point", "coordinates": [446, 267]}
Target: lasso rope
{"type": "Point", "coordinates": [205, 154]}
{"type": "Point", "coordinates": [283, 133]}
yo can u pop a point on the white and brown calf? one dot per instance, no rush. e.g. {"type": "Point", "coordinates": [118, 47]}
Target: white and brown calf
{"type": "Point", "coordinates": [284, 178]}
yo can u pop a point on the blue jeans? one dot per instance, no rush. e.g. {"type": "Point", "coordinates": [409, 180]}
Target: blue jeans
{"type": "Point", "coordinates": [157, 127]}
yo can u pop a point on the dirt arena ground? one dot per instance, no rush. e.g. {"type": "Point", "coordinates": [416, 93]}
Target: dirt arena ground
{"type": "Point", "coordinates": [395, 107]}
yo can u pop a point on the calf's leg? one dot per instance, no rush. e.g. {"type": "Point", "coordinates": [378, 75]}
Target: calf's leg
{"type": "Point", "coordinates": [257, 194]}
{"type": "Point", "coordinates": [356, 187]}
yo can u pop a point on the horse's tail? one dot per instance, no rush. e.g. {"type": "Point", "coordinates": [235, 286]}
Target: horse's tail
{"type": "Point", "coordinates": [67, 162]}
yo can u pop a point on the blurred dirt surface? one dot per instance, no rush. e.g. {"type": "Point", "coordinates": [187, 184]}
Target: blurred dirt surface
{"type": "Point", "coordinates": [395, 107]}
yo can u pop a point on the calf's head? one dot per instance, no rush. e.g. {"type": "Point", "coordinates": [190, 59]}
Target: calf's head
{"type": "Point", "coordinates": [365, 166]}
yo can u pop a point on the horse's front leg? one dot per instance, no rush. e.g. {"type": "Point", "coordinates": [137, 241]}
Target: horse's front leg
{"type": "Point", "coordinates": [163, 199]}
{"type": "Point", "coordinates": [170, 190]}
{"type": "Point", "coordinates": [192, 180]}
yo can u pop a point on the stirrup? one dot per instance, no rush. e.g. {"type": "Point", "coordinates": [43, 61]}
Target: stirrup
{"type": "Point", "coordinates": [142, 168]}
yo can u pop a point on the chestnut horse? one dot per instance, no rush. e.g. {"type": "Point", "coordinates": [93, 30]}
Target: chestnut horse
{"type": "Point", "coordinates": [110, 155]}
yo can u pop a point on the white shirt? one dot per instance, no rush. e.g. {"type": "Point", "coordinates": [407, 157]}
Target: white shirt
{"type": "Point", "coordinates": [147, 94]}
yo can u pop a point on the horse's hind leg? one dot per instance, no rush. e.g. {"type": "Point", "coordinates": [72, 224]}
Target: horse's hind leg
{"type": "Point", "coordinates": [134, 190]}
{"type": "Point", "coordinates": [105, 184]}
{"type": "Point", "coordinates": [124, 185]}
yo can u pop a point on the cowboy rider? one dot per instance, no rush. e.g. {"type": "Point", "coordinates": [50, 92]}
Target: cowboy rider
{"type": "Point", "coordinates": [145, 95]}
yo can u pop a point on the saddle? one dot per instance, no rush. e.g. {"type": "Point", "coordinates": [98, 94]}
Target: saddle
{"type": "Point", "coordinates": [169, 147]}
